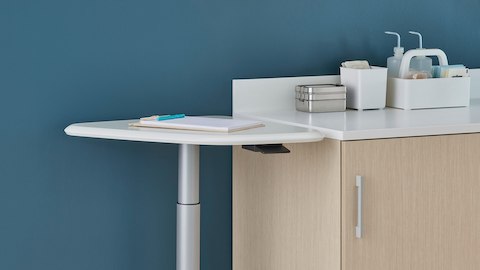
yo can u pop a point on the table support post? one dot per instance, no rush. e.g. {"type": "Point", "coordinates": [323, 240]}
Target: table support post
{"type": "Point", "coordinates": [188, 208]}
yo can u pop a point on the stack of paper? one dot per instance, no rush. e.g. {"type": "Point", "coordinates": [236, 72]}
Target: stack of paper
{"type": "Point", "coordinates": [201, 123]}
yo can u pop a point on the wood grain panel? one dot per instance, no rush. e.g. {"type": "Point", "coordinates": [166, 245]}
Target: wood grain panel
{"type": "Point", "coordinates": [421, 203]}
{"type": "Point", "coordinates": [286, 208]}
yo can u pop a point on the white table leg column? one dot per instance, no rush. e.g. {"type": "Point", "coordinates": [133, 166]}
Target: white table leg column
{"type": "Point", "coordinates": [188, 208]}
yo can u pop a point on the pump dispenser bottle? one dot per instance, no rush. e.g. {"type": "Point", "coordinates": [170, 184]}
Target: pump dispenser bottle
{"type": "Point", "coordinates": [420, 64]}
{"type": "Point", "coordinates": [393, 62]}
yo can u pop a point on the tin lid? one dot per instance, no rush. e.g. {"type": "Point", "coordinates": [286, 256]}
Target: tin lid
{"type": "Point", "coordinates": [320, 88]}
{"type": "Point", "coordinates": [320, 92]}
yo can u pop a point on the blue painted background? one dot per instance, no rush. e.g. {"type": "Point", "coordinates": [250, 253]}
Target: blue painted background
{"type": "Point", "coordinates": [73, 203]}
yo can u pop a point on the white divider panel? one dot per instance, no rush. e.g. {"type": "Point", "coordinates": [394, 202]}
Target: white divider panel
{"type": "Point", "coordinates": [278, 94]}
{"type": "Point", "coordinates": [475, 83]}
{"type": "Point", "coordinates": [271, 94]}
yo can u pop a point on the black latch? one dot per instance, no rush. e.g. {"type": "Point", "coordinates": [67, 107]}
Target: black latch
{"type": "Point", "coordinates": [267, 148]}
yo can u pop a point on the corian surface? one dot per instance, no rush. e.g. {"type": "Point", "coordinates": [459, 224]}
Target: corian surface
{"type": "Point", "coordinates": [375, 124]}
{"type": "Point", "coordinates": [475, 83]}
{"type": "Point", "coordinates": [271, 133]}
{"type": "Point", "coordinates": [269, 94]}
{"type": "Point", "coordinates": [274, 100]}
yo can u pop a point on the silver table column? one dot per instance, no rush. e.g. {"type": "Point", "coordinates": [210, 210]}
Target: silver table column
{"type": "Point", "coordinates": [188, 208]}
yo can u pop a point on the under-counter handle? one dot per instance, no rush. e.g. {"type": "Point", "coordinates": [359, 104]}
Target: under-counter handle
{"type": "Point", "coordinates": [359, 185]}
{"type": "Point", "coordinates": [267, 148]}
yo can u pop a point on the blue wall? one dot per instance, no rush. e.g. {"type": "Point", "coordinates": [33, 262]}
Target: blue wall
{"type": "Point", "coordinates": [73, 203]}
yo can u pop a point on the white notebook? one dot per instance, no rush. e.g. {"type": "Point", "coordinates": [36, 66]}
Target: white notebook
{"type": "Point", "coordinates": [202, 123]}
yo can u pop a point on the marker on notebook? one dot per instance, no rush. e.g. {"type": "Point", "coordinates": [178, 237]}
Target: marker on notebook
{"type": "Point", "coordinates": [164, 117]}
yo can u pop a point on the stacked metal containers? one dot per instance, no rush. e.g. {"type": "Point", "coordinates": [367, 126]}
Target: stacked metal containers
{"type": "Point", "coordinates": [320, 98]}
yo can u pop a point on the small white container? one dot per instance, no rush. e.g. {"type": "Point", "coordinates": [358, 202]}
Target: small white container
{"type": "Point", "coordinates": [366, 88]}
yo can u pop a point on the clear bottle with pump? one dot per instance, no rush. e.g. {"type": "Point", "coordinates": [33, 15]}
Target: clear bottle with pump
{"type": "Point", "coordinates": [393, 62]}
{"type": "Point", "coordinates": [420, 64]}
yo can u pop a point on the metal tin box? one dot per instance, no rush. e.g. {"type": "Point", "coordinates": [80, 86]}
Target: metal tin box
{"type": "Point", "coordinates": [320, 98]}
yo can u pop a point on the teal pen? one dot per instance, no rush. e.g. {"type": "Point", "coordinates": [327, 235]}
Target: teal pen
{"type": "Point", "coordinates": [170, 116]}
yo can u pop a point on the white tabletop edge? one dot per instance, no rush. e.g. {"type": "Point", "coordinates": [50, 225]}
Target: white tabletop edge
{"type": "Point", "coordinates": [121, 131]}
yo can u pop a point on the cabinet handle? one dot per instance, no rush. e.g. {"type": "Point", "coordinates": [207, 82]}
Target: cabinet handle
{"type": "Point", "coordinates": [359, 185]}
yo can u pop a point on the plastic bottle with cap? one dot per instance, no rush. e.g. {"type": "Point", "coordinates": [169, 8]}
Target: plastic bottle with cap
{"type": "Point", "coordinates": [393, 62]}
{"type": "Point", "coordinates": [420, 65]}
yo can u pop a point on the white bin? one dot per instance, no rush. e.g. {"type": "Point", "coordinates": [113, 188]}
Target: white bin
{"type": "Point", "coordinates": [366, 88]}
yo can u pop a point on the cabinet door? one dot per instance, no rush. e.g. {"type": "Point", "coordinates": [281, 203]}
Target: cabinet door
{"type": "Point", "coordinates": [421, 203]}
{"type": "Point", "coordinates": [286, 208]}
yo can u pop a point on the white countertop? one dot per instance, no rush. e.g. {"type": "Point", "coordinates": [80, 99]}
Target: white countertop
{"type": "Point", "coordinates": [271, 133]}
{"type": "Point", "coordinates": [375, 124]}
{"type": "Point", "coordinates": [273, 100]}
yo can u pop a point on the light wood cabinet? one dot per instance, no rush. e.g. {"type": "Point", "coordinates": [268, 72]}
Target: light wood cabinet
{"type": "Point", "coordinates": [420, 205]}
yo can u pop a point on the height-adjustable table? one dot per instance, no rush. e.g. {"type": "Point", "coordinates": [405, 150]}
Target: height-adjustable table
{"type": "Point", "coordinates": [188, 205]}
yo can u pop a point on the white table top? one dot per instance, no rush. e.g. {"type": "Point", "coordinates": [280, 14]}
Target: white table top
{"type": "Point", "coordinates": [272, 133]}
{"type": "Point", "coordinates": [375, 124]}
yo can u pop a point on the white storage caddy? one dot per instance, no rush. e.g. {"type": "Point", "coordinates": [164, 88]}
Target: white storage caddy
{"type": "Point", "coordinates": [409, 94]}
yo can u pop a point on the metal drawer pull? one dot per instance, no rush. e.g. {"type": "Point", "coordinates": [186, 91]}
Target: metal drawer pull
{"type": "Point", "coordinates": [359, 185]}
